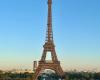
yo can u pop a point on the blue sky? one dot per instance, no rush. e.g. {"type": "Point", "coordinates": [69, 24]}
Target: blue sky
{"type": "Point", "coordinates": [76, 26]}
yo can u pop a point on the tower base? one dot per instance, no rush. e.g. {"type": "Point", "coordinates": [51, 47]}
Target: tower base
{"type": "Point", "coordinates": [49, 65]}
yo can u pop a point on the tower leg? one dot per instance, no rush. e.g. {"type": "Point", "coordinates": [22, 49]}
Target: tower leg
{"type": "Point", "coordinates": [56, 67]}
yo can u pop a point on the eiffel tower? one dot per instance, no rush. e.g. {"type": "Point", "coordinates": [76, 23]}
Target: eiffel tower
{"type": "Point", "coordinates": [49, 46]}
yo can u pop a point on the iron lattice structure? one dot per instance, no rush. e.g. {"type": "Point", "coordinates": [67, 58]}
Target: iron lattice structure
{"type": "Point", "coordinates": [49, 46]}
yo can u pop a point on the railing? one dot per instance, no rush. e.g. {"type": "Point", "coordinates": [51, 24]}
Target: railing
{"type": "Point", "coordinates": [49, 61]}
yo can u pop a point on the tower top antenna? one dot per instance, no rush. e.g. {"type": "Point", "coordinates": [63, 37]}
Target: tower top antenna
{"type": "Point", "coordinates": [49, 34]}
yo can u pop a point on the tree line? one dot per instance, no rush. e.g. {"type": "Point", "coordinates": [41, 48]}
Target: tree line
{"type": "Point", "coordinates": [52, 76]}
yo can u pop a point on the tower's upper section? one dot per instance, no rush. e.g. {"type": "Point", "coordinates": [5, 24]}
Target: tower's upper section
{"type": "Point", "coordinates": [49, 35]}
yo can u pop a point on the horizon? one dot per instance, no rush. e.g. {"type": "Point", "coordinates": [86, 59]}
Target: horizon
{"type": "Point", "coordinates": [69, 70]}
{"type": "Point", "coordinates": [76, 28]}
